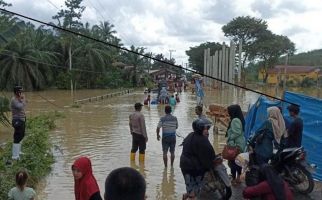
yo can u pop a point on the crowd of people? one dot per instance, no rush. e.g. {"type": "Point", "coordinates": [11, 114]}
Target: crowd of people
{"type": "Point", "coordinates": [198, 155]}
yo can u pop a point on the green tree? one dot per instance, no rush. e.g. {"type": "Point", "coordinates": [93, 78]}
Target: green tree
{"type": "Point", "coordinates": [247, 30]}
{"type": "Point", "coordinates": [22, 60]}
{"type": "Point", "coordinates": [138, 62]}
{"type": "Point", "coordinates": [69, 18]}
{"type": "Point", "coordinates": [269, 47]}
{"type": "Point", "coordinates": [196, 54]}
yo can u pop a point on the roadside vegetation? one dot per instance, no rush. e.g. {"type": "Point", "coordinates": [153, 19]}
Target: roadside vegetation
{"type": "Point", "coordinates": [37, 158]}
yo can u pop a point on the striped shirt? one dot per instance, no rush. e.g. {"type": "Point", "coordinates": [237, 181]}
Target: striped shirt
{"type": "Point", "coordinates": [169, 124]}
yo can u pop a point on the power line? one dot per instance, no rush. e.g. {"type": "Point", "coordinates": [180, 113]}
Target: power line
{"type": "Point", "coordinates": [139, 54]}
{"type": "Point", "coordinates": [43, 63]}
{"type": "Point", "coordinates": [52, 4]}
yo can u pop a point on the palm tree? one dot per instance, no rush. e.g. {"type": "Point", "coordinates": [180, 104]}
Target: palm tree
{"type": "Point", "coordinates": [23, 60]}
{"type": "Point", "coordinates": [104, 31]}
{"type": "Point", "coordinates": [136, 60]}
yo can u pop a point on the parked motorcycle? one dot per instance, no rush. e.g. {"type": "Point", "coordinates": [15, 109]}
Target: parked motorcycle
{"type": "Point", "coordinates": [291, 164]}
{"type": "Point", "coordinates": [217, 181]}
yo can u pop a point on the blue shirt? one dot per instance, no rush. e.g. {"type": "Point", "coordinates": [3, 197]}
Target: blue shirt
{"type": "Point", "coordinates": [169, 125]}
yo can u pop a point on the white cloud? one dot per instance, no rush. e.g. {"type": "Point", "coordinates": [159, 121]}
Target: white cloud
{"type": "Point", "coordinates": [161, 25]}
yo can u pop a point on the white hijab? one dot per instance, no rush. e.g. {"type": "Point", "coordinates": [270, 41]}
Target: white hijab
{"type": "Point", "coordinates": [278, 123]}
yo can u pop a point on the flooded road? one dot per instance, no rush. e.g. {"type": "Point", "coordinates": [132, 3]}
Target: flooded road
{"type": "Point", "coordinates": [100, 131]}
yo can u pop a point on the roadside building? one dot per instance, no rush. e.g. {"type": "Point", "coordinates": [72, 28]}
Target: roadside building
{"type": "Point", "coordinates": [294, 74]}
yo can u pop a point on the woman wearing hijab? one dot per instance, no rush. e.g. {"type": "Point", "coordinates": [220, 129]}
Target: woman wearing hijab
{"type": "Point", "coordinates": [271, 132]}
{"type": "Point", "coordinates": [235, 137]}
{"type": "Point", "coordinates": [198, 156]}
{"type": "Point", "coordinates": [86, 187]}
{"type": "Point", "coordinates": [270, 187]}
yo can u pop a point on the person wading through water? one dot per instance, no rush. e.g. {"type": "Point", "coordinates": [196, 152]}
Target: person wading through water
{"type": "Point", "coordinates": [169, 124]}
{"type": "Point", "coordinates": [138, 132]}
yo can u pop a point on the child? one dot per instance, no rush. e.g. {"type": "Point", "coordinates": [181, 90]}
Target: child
{"type": "Point", "coordinates": [21, 192]}
{"type": "Point", "coordinates": [147, 101]}
{"type": "Point", "coordinates": [86, 187]}
{"type": "Point", "coordinates": [172, 102]}
{"type": "Point", "coordinates": [177, 98]}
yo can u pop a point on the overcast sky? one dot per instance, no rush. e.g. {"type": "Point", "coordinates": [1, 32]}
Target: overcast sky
{"type": "Point", "coordinates": [161, 25]}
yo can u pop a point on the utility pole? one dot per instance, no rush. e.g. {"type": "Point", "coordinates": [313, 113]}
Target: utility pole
{"type": "Point", "coordinates": [171, 50]}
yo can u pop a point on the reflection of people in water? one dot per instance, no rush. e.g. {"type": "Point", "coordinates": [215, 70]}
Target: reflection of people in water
{"type": "Point", "coordinates": [167, 190]}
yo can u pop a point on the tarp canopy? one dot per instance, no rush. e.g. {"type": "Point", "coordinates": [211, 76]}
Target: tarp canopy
{"type": "Point", "coordinates": [311, 113]}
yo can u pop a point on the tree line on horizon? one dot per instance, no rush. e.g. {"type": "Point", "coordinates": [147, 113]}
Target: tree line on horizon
{"type": "Point", "coordinates": [260, 45]}
{"type": "Point", "coordinates": [38, 57]}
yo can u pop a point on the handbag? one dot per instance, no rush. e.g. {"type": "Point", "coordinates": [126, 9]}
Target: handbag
{"type": "Point", "coordinates": [230, 152]}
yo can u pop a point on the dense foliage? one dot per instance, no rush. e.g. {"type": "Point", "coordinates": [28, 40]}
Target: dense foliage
{"type": "Point", "coordinates": [258, 44]}
{"type": "Point", "coordinates": [37, 157]}
{"type": "Point", "coordinates": [39, 57]}
{"type": "Point", "coordinates": [4, 108]}
{"type": "Point", "coordinates": [310, 58]}
{"type": "Point", "coordinates": [196, 54]}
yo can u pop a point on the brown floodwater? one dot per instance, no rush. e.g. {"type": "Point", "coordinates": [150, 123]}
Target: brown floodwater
{"type": "Point", "coordinates": [100, 131]}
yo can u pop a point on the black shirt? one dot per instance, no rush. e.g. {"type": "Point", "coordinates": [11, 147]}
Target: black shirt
{"type": "Point", "coordinates": [96, 196]}
{"type": "Point", "coordinates": [295, 133]}
{"type": "Point", "coordinates": [197, 153]}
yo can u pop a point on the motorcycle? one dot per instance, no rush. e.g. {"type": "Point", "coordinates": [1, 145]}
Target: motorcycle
{"type": "Point", "coordinates": [217, 181]}
{"type": "Point", "coordinates": [291, 164]}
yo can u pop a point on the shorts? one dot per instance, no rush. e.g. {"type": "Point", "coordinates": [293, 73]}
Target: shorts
{"type": "Point", "coordinates": [138, 142]}
{"type": "Point", "coordinates": [168, 143]}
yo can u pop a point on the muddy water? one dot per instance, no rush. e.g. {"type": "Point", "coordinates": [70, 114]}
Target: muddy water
{"type": "Point", "coordinates": [100, 130]}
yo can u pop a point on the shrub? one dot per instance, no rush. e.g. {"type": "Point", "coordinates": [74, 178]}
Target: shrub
{"type": "Point", "coordinates": [37, 157]}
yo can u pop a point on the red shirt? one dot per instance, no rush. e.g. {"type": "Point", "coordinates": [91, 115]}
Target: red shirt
{"type": "Point", "coordinates": [264, 191]}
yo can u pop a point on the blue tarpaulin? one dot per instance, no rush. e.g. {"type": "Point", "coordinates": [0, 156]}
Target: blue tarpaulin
{"type": "Point", "coordinates": [311, 113]}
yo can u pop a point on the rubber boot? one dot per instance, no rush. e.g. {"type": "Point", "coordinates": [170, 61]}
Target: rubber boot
{"type": "Point", "coordinates": [141, 157]}
{"type": "Point", "coordinates": [132, 156]}
{"type": "Point", "coordinates": [19, 150]}
{"type": "Point", "coordinates": [15, 151]}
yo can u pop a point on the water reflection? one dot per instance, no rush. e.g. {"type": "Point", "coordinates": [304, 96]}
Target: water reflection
{"type": "Point", "coordinates": [166, 189]}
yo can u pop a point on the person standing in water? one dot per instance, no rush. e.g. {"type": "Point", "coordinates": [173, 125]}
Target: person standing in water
{"type": "Point", "coordinates": [172, 102]}
{"type": "Point", "coordinates": [169, 125]}
{"type": "Point", "coordinates": [138, 132]}
{"type": "Point", "coordinates": [18, 104]}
